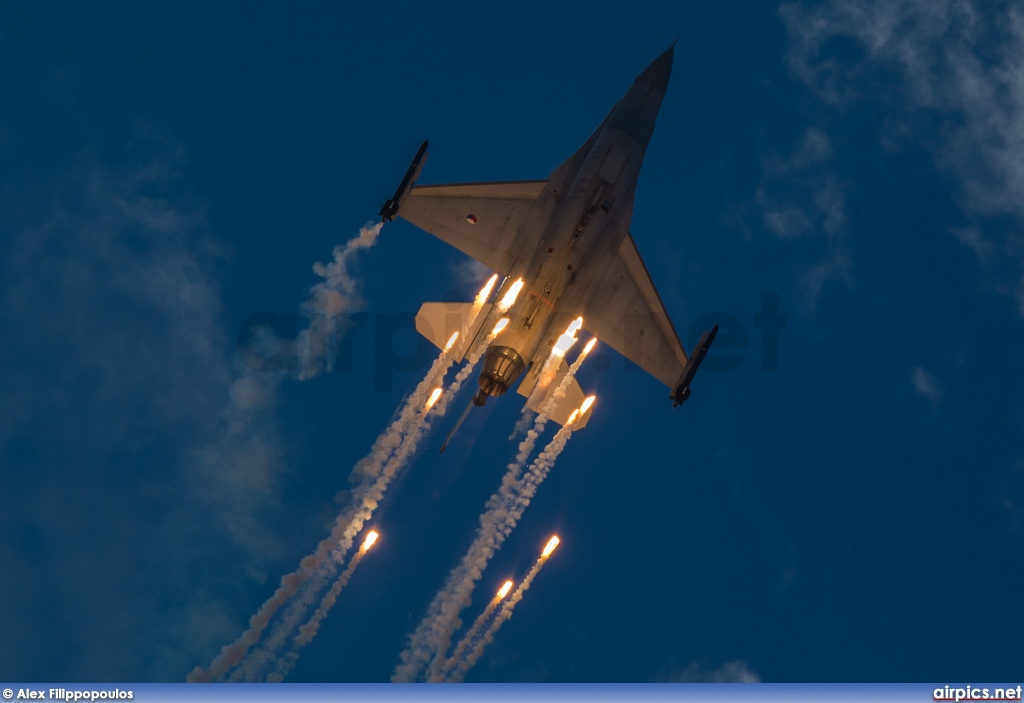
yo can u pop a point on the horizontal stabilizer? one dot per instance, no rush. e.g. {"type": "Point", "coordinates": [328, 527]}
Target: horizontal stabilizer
{"type": "Point", "coordinates": [439, 321]}
{"type": "Point", "coordinates": [539, 392]}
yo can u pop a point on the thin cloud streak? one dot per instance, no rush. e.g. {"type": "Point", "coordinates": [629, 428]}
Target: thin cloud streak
{"type": "Point", "coordinates": [957, 63]}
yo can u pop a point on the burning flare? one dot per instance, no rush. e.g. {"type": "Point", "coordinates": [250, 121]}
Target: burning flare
{"type": "Point", "coordinates": [503, 591]}
{"type": "Point", "coordinates": [451, 341]}
{"type": "Point", "coordinates": [586, 404]}
{"type": "Point", "coordinates": [434, 395]}
{"type": "Point", "coordinates": [485, 292]}
{"type": "Point", "coordinates": [566, 341]}
{"type": "Point", "coordinates": [371, 537]}
{"type": "Point", "coordinates": [572, 417]}
{"type": "Point", "coordinates": [549, 547]}
{"type": "Point", "coordinates": [502, 324]}
{"type": "Point", "coordinates": [509, 299]}
{"type": "Point", "coordinates": [590, 347]}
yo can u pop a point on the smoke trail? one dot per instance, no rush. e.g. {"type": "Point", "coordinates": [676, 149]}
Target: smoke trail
{"type": "Point", "coordinates": [523, 424]}
{"type": "Point", "coordinates": [308, 631]}
{"type": "Point", "coordinates": [539, 470]}
{"type": "Point", "coordinates": [467, 640]}
{"type": "Point", "coordinates": [330, 300]}
{"type": "Point", "coordinates": [400, 441]}
{"type": "Point", "coordinates": [504, 614]}
{"type": "Point", "coordinates": [371, 477]}
{"type": "Point", "coordinates": [540, 422]}
{"type": "Point", "coordinates": [391, 453]}
{"type": "Point", "coordinates": [432, 637]}
{"type": "Point", "coordinates": [506, 519]}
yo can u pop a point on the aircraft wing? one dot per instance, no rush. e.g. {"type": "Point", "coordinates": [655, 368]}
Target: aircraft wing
{"type": "Point", "coordinates": [626, 313]}
{"type": "Point", "coordinates": [481, 220]}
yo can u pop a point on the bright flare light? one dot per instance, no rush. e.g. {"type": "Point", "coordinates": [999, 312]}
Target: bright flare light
{"type": "Point", "coordinates": [590, 347]}
{"type": "Point", "coordinates": [371, 537]}
{"type": "Point", "coordinates": [572, 416]}
{"type": "Point", "coordinates": [503, 591]}
{"type": "Point", "coordinates": [434, 395]}
{"type": "Point", "coordinates": [586, 404]}
{"type": "Point", "coordinates": [566, 341]}
{"type": "Point", "coordinates": [510, 298]}
{"type": "Point", "coordinates": [563, 345]}
{"type": "Point", "coordinates": [451, 341]}
{"type": "Point", "coordinates": [549, 547]}
{"type": "Point", "coordinates": [502, 324]}
{"type": "Point", "coordinates": [485, 292]}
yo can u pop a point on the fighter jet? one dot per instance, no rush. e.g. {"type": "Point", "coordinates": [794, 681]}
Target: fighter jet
{"type": "Point", "coordinates": [564, 244]}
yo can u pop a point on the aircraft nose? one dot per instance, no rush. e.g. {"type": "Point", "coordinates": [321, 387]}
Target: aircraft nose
{"type": "Point", "coordinates": [657, 74]}
{"type": "Point", "coordinates": [637, 111]}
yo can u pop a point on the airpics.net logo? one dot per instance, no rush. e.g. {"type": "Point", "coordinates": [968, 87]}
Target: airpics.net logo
{"type": "Point", "coordinates": [383, 344]}
{"type": "Point", "coordinates": [977, 693]}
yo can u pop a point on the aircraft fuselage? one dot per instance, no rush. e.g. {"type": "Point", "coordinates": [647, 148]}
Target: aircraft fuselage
{"type": "Point", "coordinates": [584, 214]}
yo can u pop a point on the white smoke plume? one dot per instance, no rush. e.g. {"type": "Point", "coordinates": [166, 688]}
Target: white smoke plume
{"type": "Point", "coordinates": [308, 631]}
{"type": "Point", "coordinates": [331, 300]}
{"type": "Point", "coordinates": [459, 672]}
{"type": "Point", "coordinates": [410, 428]}
{"type": "Point", "coordinates": [467, 640]}
{"type": "Point", "coordinates": [432, 637]}
{"type": "Point", "coordinates": [523, 424]}
{"type": "Point", "coordinates": [371, 477]}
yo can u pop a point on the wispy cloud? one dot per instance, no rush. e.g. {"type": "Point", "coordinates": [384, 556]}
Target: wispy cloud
{"type": "Point", "coordinates": [1010, 496]}
{"type": "Point", "coordinates": [735, 671]}
{"type": "Point", "coordinates": [469, 272]}
{"type": "Point", "coordinates": [926, 385]}
{"type": "Point", "coordinates": [133, 447]}
{"type": "Point", "coordinates": [957, 91]}
{"type": "Point", "coordinates": [801, 198]}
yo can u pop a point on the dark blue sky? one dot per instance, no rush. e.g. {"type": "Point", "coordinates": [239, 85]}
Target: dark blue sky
{"type": "Point", "coordinates": [854, 515]}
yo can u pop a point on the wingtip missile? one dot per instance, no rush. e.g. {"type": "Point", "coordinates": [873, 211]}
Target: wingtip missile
{"type": "Point", "coordinates": [390, 209]}
{"type": "Point", "coordinates": [682, 387]}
